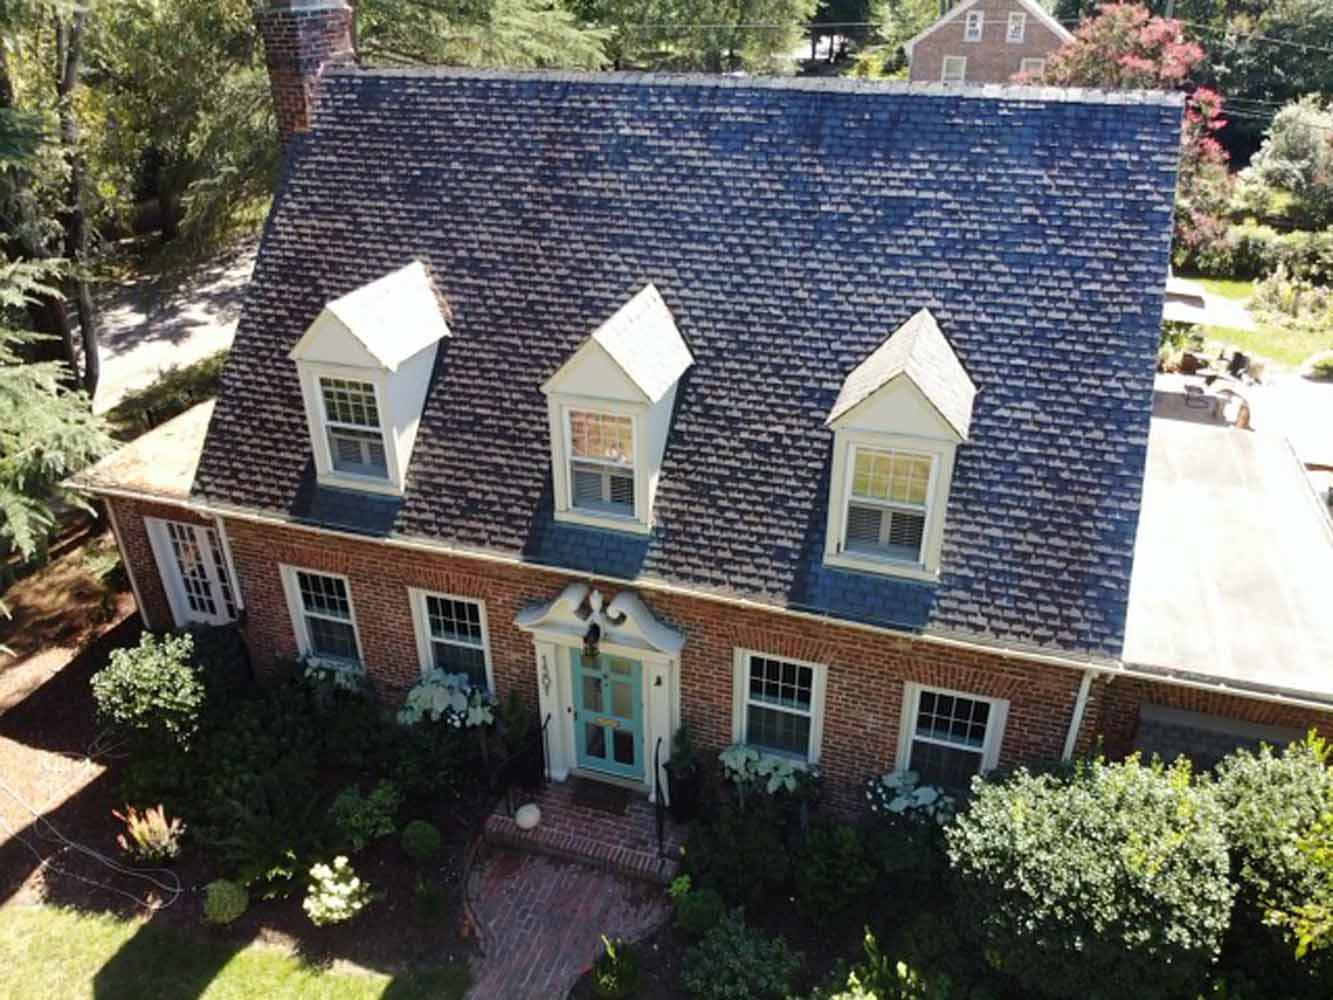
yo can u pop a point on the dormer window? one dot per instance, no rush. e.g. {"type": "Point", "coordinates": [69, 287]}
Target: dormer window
{"type": "Point", "coordinates": [352, 422]}
{"type": "Point", "coordinates": [897, 423]}
{"type": "Point", "coordinates": [364, 365]}
{"type": "Point", "coordinates": [976, 20]}
{"type": "Point", "coordinates": [610, 416]}
{"type": "Point", "coordinates": [1017, 28]}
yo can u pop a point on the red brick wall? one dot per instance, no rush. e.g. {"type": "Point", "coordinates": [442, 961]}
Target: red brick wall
{"type": "Point", "coordinates": [298, 45]}
{"type": "Point", "coordinates": [991, 60]}
{"type": "Point", "coordinates": [138, 554]}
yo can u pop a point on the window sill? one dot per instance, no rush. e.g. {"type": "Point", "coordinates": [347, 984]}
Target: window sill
{"type": "Point", "coordinates": [613, 522]}
{"type": "Point", "coordinates": [881, 567]}
{"type": "Point", "coordinates": [364, 484]}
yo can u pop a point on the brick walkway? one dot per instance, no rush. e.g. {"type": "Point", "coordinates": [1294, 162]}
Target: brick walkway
{"type": "Point", "coordinates": [543, 919]}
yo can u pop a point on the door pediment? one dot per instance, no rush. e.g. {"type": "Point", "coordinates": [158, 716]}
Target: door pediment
{"type": "Point", "coordinates": [626, 621]}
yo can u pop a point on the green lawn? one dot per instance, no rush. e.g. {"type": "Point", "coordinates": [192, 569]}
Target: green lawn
{"type": "Point", "coordinates": [51, 952]}
{"type": "Point", "coordinates": [1288, 345]}
{"type": "Point", "coordinates": [1228, 288]}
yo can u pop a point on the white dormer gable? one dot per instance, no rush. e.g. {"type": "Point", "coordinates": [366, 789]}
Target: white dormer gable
{"type": "Point", "coordinates": [610, 411]}
{"type": "Point", "coordinates": [365, 365]}
{"type": "Point", "coordinates": [897, 421]}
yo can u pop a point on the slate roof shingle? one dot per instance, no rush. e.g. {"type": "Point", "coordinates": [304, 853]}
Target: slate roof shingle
{"type": "Point", "coordinates": [790, 227]}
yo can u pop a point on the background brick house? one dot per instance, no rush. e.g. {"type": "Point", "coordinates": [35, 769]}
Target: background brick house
{"type": "Point", "coordinates": [837, 440]}
{"type": "Point", "coordinates": [985, 41]}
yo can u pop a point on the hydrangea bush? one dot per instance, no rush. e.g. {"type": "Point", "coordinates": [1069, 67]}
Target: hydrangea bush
{"type": "Point", "coordinates": [336, 893]}
{"type": "Point", "coordinates": [900, 794]}
{"type": "Point", "coordinates": [448, 698]}
{"type": "Point", "coordinates": [748, 768]}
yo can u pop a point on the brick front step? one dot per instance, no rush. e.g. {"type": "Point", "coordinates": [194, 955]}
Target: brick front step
{"type": "Point", "coordinates": [625, 844]}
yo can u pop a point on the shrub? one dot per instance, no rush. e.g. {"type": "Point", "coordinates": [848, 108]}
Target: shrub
{"type": "Point", "coordinates": [221, 660]}
{"type": "Point", "coordinates": [1297, 156]}
{"type": "Point", "coordinates": [427, 761]}
{"type": "Point", "coordinates": [735, 962]}
{"type": "Point", "coordinates": [336, 894]}
{"type": "Point", "coordinates": [151, 692]}
{"type": "Point", "coordinates": [615, 973]}
{"type": "Point", "coordinates": [149, 835]}
{"type": "Point", "coordinates": [832, 872]}
{"type": "Point", "coordinates": [698, 911]}
{"type": "Point", "coordinates": [224, 901]}
{"type": "Point", "coordinates": [881, 978]}
{"type": "Point", "coordinates": [905, 838]}
{"type": "Point", "coordinates": [448, 698]}
{"type": "Point", "coordinates": [421, 841]}
{"type": "Point", "coordinates": [1115, 874]}
{"type": "Point", "coordinates": [1321, 368]}
{"type": "Point", "coordinates": [740, 853]}
{"type": "Point", "coordinates": [360, 820]}
{"type": "Point", "coordinates": [354, 732]}
{"type": "Point", "coordinates": [430, 898]}
{"type": "Point", "coordinates": [175, 391]}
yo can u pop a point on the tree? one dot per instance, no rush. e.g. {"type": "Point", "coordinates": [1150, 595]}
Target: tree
{"type": "Point", "coordinates": [1311, 922]}
{"type": "Point", "coordinates": [1297, 156]}
{"type": "Point", "coordinates": [1124, 47]}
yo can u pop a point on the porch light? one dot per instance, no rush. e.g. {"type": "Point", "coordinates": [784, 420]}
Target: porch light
{"type": "Point", "coordinates": [590, 640]}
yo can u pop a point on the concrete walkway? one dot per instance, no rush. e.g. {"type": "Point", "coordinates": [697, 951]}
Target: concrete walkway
{"type": "Point", "coordinates": [543, 920]}
{"type": "Point", "coordinates": [147, 329]}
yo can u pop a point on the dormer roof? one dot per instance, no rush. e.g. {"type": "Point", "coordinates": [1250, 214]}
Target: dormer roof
{"type": "Point", "coordinates": [642, 339]}
{"type": "Point", "coordinates": [920, 352]}
{"type": "Point", "coordinates": [390, 319]}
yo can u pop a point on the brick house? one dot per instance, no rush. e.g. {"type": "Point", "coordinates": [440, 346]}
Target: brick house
{"type": "Point", "coordinates": [819, 408]}
{"type": "Point", "coordinates": [984, 41]}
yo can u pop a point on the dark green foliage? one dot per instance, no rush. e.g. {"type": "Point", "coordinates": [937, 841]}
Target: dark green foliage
{"type": "Point", "coordinates": [427, 761]}
{"type": "Point", "coordinates": [740, 852]}
{"type": "Point", "coordinates": [224, 901]}
{"type": "Point", "coordinates": [1112, 883]}
{"type": "Point", "coordinates": [175, 391]}
{"type": "Point", "coordinates": [358, 820]}
{"type": "Point", "coordinates": [615, 973]}
{"type": "Point", "coordinates": [222, 660]}
{"type": "Point", "coordinates": [354, 732]}
{"type": "Point", "coordinates": [1254, 251]}
{"type": "Point", "coordinates": [833, 872]}
{"type": "Point", "coordinates": [881, 977]}
{"type": "Point", "coordinates": [431, 898]}
{"type": "Point", "coordinates": [736, 962]}
{"type": "Point", "coordinates": [421, 841]}
{"type": "Point", "coordinates": [151, 693]}
{"type": "Point", "coordinates": [698, 911]}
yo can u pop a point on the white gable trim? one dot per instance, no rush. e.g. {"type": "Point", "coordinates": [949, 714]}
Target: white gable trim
{"type": "Point", "coordinates": [590, 348]}
{"type": "Point", "coordinates": [847, 420]}
{"type": "Point", "coordinates": [1035, 9]}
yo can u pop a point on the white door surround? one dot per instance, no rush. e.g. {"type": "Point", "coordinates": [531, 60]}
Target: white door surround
{"type": "Point", "coordinates": [628, 629]}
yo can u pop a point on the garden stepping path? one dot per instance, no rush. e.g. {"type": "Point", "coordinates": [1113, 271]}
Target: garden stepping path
{"type": "Point", "coordinates": [543, 919]}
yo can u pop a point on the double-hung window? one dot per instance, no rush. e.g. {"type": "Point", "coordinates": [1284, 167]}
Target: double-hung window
{"type": "Point", "coordinates": [954, 69]}
{"type": "Point", "coordinates": [1032, 66]}
{"type": "Point", "coordinates": [887, 504]}
{"type": "Point", "coordinates": [950, 736]}
{"type": "Point", "coordinates": [352, 424]}
{"type": "Point", "coordinates": [779, 705]}
{"type": "Point", "coordinates": [1018, 22]}
{"type": "Point", "coordinates": [601, 462]}
{"type": "Point", "coordinates": [321, 606]}
{"type": "Point", "coordinates": [976, 21]}
{"type": "Point", "coordinates": [451, 636]}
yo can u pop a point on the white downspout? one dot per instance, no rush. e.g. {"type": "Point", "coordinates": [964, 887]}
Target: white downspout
{"type": "Point", "coordinates": [1076, 723]}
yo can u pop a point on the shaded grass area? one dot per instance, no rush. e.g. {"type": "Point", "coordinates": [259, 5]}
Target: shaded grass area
{"type": "Point", "coordinates": [175, 391]}
{"type": "Point", "coordinates": [53, 952]}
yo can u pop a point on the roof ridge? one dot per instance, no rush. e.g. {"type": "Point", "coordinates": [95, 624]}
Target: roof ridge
{"type": "Point", "coordinates": [831, 85]}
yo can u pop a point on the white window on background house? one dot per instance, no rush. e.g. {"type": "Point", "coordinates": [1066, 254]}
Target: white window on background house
{"type": "Point", "coordinates": [887, 504]}
{"type": "Point", "coordinates": [779, 705]}
{"type": "Point", "coordinates": [949, 736]}
{"type": "Point", "coordinates": [976, 21]}
{"type": "Point", "coordinates": [1032, 66]}
{"type": "Point", "coordinates": [322, 616]}
{"type": "Point", "coordinates": [601, 462]}
{"type": "Point", "coordinates": [452, 636]}
{"type": "Point", "coordinates": [352, 423]}
{"type": "Point", "coordinates": [1018, 22]}
{"type": "Point", "coordinates": [954, 69]}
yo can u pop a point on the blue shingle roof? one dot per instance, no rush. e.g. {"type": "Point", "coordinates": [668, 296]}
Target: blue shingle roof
{"type": "Point", "coordinates": [790, 227]}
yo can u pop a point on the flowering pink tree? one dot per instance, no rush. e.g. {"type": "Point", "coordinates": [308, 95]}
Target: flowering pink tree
{"type": "Point", "coordinates": [1124, 47]}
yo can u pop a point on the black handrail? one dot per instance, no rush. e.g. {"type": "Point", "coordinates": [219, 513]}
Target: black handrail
{"type": "Point", "coordinates": [659, 812]}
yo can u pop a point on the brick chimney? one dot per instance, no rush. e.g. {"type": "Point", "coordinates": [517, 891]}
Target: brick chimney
{"type": "Point", "coordinates": [301, 38]}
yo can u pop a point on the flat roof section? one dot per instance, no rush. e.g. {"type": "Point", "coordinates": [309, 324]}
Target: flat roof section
{"type": "Point", "coordinates": [159, 463]}
{"type": "Point", "coordinates": [1233, 563]}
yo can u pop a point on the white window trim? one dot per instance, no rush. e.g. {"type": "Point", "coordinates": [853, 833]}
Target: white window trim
{"type": "Point", "coordinates": [421, 625]}
{"type": "Point", "coordinates": [937, 501]}
{"type": "Point", "coordinates": [979, 18]}
{"type": "Point", "coordinates": [944, 69]}
{"type": "Point", "coordinates": [995, 725]}
{"type": "Point", "coordinates": [1016, 17]}
{"type": "Point", "coordinates": [296, 609]}
{"type": "Point", "coordinates": [740, 700]}
{"type": "Point", "coordinates": [1023, 65]}
{"type": "Point", "coordinates": [159, 540]}
{"type": "Point", "coordinates": [563, 455]}
{"type": "Point", "coordinates": [311, 372]}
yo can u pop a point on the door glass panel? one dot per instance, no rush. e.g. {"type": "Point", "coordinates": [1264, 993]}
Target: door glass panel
{"type": "Point", "coordinates": [622, 700]}
{"type": "Point", "coordinates": [622, 743]}
{"type": "Point", "coordinates": [619, 666]}
{"type": "Point", "coordinates": [594, 740]}
{"type": "Point", "coordinates": [592, 693]}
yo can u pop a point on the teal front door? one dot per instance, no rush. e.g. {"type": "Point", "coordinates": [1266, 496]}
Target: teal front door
{"type": "Point", "coordinates": [608, 714]}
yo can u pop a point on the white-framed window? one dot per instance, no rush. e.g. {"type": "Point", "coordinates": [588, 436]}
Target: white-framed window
{"type": "Point", "coordinates": [976, 22]}
{"type": "Point", "coordinates": [353, 428]}
{"type": "Point", "coordinates": [949, 736]}
{"type": "Point", "coordinates": [888, 504]}
{"type": "Point", "coordinates": [1017, 27]}
{"type": "Point", "coordinates": [1032, 66]}
{"type": "Point", "coordinates": [193, 569]}
{"type": "Point", "coordinates": [323, 617]}
{"type": "Point", "coordinates": [954, 69]}
{"type": "Point", "coordinates": [779, 704]}
{"type": "Point", "coordinates": [601, 462]}
{"type": "Point", "coordinates": [452, 635]}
